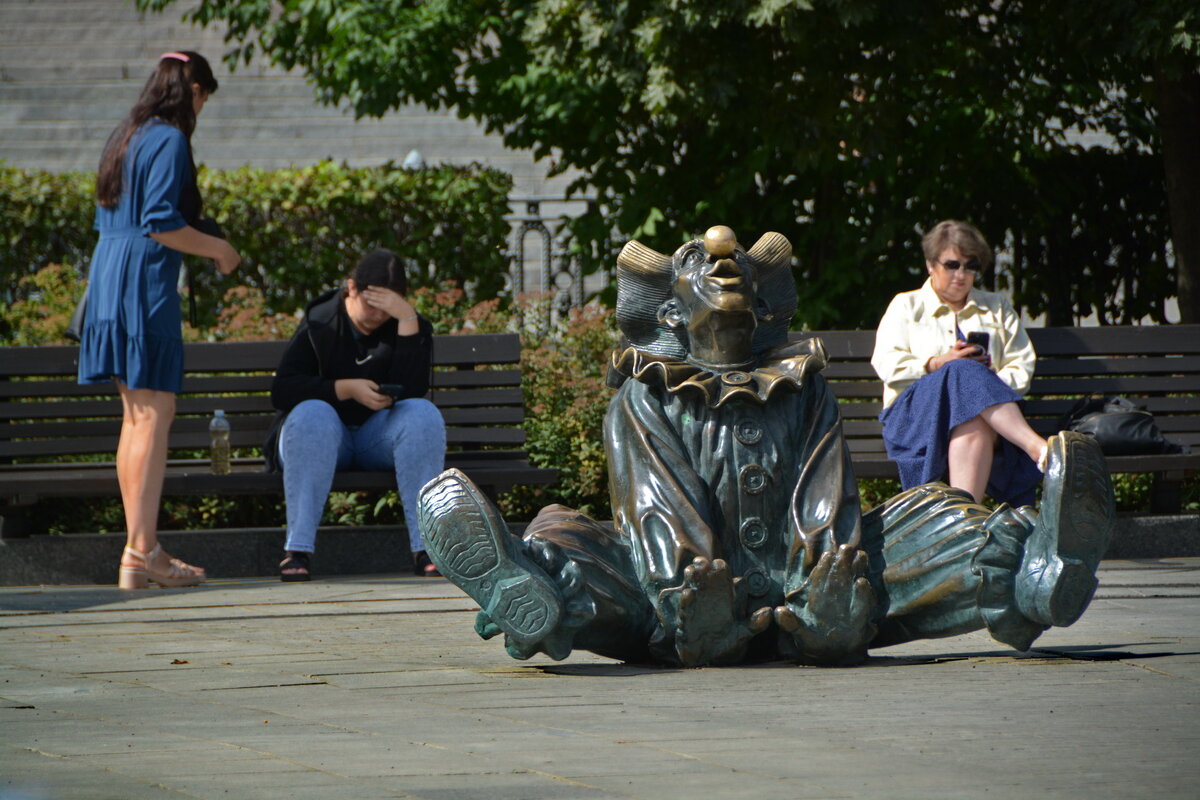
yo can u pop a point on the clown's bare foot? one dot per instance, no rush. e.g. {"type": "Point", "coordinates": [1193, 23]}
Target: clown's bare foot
{"type": "Point", "coordinates": [829, 616]}
{"type": "Point", "coordinates": [712, 627]}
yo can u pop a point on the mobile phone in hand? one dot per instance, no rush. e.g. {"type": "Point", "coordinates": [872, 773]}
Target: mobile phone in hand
{"type": "Point", "coordinates": [979, 339]}
{"type": "Point", "coordinates": [392, 390]}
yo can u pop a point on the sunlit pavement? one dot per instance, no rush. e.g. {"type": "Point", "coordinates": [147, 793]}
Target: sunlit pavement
{"type": "Point", "coordinates": [373, 687]}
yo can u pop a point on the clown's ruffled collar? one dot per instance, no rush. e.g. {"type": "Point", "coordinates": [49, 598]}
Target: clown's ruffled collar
{"type": "Point", "coordinates": [781, 369]}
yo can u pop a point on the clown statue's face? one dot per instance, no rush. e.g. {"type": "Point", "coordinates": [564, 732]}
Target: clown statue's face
{"type": "Point", "coordinates": [714, 298]}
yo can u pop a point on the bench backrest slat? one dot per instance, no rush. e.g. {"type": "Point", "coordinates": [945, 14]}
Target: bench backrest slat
{"type": "Point", "coordinates": [45, 414]}
{"type": "Point", "coordinates": [1157, 367]}
{"type": "Point", "coordinates": [477, 385]}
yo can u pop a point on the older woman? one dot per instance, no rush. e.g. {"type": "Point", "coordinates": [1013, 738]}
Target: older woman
{"type": "Point", "coordinates": [948, 401]}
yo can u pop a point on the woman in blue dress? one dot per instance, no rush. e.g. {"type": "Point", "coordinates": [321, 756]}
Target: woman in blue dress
{"type": "Point", "coordinates": [146, 201]}
{"type": "Point", "coordinates": [950, 406]}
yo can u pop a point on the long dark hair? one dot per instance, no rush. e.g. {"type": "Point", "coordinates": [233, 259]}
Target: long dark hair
{"type": "Point", "coordinates": [167, 95]}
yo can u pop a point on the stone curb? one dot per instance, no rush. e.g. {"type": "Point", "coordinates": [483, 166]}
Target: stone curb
{"type": "Point", "coordinates": [91, 558]}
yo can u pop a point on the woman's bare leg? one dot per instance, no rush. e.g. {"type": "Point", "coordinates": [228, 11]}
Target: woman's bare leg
{"type": "Point", "coordinates": [970, 453]}
{"type": "Point", "coordinates": [1007, 420]}
{"type": "Point", "coordinates": [142, 463]}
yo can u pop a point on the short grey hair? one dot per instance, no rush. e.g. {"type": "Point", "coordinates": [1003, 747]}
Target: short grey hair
{"type": "Point", "coordinates": [962, 235]}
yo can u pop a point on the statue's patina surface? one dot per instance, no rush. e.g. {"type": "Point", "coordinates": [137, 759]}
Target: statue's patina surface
{"type": "Point", "coordinates": [737, 532]}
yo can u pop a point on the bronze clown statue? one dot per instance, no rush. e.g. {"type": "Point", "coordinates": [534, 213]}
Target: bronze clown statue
{"type": "Point", "coordinates": [737, 533]}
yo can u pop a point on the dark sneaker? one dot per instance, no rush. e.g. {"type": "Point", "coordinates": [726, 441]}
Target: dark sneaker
{"type": "Point", "coordinates": [1058, 571]}
{"type": "Point", "coordinates": [470, 543]}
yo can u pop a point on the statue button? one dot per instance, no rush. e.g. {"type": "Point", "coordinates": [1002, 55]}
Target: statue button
{"type": "Point", "coordinates": [736, 378]}
{"type": "Point", "coordinates": [753, 479]}
{"type": "Point", "coordinates": [748, 432]}
{"type": "Point", "coordinates": [753, 533]}
{"type": "Point", "coordinates": [757, 582]}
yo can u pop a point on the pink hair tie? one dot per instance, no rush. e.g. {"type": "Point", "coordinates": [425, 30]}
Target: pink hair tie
{"type": "Point", "coordinates": [179, 56]}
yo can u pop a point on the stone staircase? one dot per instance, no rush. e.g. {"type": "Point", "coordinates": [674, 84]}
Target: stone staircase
{"type": "Point", "coordinates": [70, 69]}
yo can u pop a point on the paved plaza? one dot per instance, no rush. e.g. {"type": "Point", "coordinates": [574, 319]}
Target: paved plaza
{"type": "Point", "coordinates": [377, 687]}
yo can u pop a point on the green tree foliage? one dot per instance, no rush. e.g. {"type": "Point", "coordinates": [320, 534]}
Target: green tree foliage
{"type": "Point", "coordinates": [298, 230]}
{"type": "Point", "coordinates": [848, 125]}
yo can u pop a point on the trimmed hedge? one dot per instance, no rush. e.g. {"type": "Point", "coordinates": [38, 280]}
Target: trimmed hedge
{"type": "Point", "coordinates": [298, 230]}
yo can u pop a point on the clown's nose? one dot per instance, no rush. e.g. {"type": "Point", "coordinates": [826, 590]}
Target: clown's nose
{"type": "Point", "coordinates": [720, 241]}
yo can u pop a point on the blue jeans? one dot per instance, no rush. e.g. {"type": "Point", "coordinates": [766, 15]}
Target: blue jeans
{"type": "Point", "coordinates": [409, 437]}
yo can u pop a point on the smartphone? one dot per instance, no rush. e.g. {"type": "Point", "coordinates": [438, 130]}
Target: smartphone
{"type": "Point", "coordinates": [979, 339]}
{"type": "Point", "coordinates": [393, 390]}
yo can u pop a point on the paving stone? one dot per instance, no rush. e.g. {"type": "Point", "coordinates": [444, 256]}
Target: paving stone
{"type": "Point", "coordinates": [311, 691]}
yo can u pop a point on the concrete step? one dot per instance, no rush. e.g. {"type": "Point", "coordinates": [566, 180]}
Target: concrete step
{"type": "Point", "coordinates": [70, 69]}
{"type": "Point", "coordinates": [89, 37]}
{"type": "Point", "coordinates": [450, 137]}
{"type": "Point", "coordinates": [51, 12]}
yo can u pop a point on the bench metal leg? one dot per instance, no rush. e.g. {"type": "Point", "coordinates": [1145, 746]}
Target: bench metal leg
{"type": "Point", "coordinates": [14, 524]}
{"type": "Point", "coordinates": [1166, 492]}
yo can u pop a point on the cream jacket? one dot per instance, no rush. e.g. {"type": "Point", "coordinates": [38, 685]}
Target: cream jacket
{"type": "Point", "coordinates": [918, 326]}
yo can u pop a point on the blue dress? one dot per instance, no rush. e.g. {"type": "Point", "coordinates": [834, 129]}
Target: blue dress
{"type": "Point", "coordinates": [133, 329]}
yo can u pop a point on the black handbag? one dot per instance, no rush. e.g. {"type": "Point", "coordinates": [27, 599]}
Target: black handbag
{"type": "Point", "coordinates": [74, 330]}
{"type": "Point", "coordinates": [212, 228]}
{"type": "Point", "coordinates": [1121, 428]}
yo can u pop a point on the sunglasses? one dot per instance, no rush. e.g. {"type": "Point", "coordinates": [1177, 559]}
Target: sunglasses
{"type": "Point", "coordinates": [952, 265]}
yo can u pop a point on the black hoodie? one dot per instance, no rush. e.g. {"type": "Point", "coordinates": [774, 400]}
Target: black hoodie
{"type": "Point", "coordinates": [328, 347]}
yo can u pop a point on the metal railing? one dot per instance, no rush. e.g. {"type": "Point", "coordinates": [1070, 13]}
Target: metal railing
{"type": "Point", "coordinates": [538, 260]}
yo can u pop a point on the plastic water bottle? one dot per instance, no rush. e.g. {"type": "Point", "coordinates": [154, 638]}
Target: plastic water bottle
{"type": "Point", "coordinates": [218, 430]}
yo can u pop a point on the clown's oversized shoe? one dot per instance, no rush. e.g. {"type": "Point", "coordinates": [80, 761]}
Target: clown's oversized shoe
{"type": "Point", "coordinates": [471, 546]}
{"type": "Point", "coordinates": [1058, 571]}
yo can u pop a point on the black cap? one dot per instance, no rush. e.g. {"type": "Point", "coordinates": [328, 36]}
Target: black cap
{"type": "Point", "coordinates": [381, 268]}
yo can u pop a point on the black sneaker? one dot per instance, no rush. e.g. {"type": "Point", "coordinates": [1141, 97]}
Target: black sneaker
{"type": "Point", "coordinates": [471, 545]}
{"type": "Point", "coordinates": [1058, 571]}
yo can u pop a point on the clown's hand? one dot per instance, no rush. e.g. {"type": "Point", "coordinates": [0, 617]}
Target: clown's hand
{"type": "Point", "coordinates": [829, 616]}
{"type": "Point", "coordinates": [712, 626]}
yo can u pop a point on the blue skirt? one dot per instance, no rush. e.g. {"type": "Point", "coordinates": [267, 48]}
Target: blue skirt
{"type": "Point", "coordinates": [916, 430]}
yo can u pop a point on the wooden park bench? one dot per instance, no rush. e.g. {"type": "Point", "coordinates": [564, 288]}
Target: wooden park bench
{"type": "Point", "coordinates": [48, 424]}
{"type": "Point", "coordinates": [1157, 367]}
{"type": "Point", "coordinates": [57, 438]}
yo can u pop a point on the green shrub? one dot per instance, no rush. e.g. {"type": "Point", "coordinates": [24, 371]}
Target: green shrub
{"type": "Point", "coordinates": [43, 304]}
{"type": "Point", "coordinates": [876, 491]}
{"type": "Point", "coordinates": [303, 229]}
{"type": "Point", "coordinates": [45, 218]}
{"type": "Point", "coordinates": [298, 230]}
{"type": "Point", "coordinates": [563, 369]}
{"type": "Point", "coordinates": [244, 317]}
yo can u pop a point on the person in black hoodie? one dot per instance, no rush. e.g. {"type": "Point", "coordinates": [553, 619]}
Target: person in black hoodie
{"type": "Point", "coordinates": [350, 390]}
